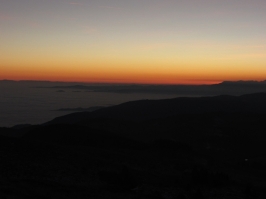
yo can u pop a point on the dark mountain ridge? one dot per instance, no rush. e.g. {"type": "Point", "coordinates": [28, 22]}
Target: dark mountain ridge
{"type": "Point", "coordinates": [152, 109]}
{"type": "Point", "coordinates": [204, 147]}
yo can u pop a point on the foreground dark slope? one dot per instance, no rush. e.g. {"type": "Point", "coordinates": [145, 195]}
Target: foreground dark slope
{"type": "Point", "coordinates": [80, 135]}
{"type": "Point", "coordinates": [192, 148]}
{"type": "Point", "coordinates": [152, 109]}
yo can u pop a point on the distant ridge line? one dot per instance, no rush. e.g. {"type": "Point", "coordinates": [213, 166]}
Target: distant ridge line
{"type": "Point", "coordinates": [151, 109]}
{"type": "Point", "coordinates": [105, 83]}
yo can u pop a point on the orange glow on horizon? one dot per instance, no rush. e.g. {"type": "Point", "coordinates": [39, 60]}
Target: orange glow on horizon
{"type": "Point", "coordinates": [110, 71]}
{"type": "Point", "coordinates": [128, 77]}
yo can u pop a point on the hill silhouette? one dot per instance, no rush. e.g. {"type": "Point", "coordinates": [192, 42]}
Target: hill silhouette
{"type": "Point", "coordinates": [152, 109]}
{"type": "Point", "coordinates": [203, 147]}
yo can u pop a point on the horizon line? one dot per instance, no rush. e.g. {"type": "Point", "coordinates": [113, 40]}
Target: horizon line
{"type": "Point", "coordinates": [119, 83]}
{"type": "Point", "coordinates": [131, 83]}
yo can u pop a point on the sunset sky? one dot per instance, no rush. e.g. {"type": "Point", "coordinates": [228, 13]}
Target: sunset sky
{"type": "Point", "coordinates": [140, 41]}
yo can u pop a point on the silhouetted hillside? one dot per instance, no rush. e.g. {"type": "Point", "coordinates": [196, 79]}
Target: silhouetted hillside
{"type": "Point", "coordinates": [207, 147]}
{"type": "Point", "coordinates": [79, 135]}
{"type": "Point", "coordinates": [151, 109]}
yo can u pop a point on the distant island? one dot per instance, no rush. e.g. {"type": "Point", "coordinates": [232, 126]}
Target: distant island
{"type": "Point", "coordinates": [223, 88]}
{"type": "Point", "coordinates": [235, 88]}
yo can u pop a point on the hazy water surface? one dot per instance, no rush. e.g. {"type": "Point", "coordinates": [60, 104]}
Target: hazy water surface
{"type": "Point", "coordinates": [26, 103]}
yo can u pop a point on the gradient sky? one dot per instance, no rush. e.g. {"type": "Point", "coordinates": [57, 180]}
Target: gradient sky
{"type": "Point", "coordinates": [140, 41]}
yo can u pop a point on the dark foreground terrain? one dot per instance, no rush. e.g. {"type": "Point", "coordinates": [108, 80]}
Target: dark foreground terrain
{"type": "Point", "coordinates": [184, 148]}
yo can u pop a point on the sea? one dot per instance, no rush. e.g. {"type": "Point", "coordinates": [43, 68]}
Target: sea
{"type": "Point", "coordinates": [31, 102]}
